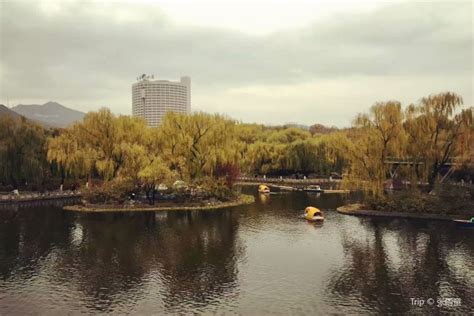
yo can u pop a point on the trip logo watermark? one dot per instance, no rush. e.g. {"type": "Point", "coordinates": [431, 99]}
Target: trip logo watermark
{"type": "Point", "coordinates": [438, 302]}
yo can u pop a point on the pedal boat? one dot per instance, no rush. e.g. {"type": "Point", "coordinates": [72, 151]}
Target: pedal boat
{"type": "Point", "coordinates": [313, 214]}
{"type": "Point", "coordinates": [263, 189]}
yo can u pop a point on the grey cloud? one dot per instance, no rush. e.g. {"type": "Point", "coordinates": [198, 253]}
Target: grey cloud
{"type": "Point", "coordinates": [80, 54]}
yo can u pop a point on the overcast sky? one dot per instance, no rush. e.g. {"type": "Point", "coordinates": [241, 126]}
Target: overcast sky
{"type": "Point", "coordinates": [269, 61]}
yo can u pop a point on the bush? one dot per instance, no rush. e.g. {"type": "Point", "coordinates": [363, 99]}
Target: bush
{"type": "Point", "coordinates": [450, 200]}
{"type": "Point", "coordinates": [115, 191]}
{"type": "Point", "coordinates": [218, 188]}
{"type": "Point", "coordinates": [230, 172]}
{"type": "Point", "coordinates": [207, 188]}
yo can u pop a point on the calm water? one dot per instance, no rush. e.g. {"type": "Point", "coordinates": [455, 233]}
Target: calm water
{"type": "Point", "coordinates": [257, 259]}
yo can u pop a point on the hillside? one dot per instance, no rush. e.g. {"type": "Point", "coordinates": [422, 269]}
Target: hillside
{"type": "Point", "coordinates": [6, 111]}
{"type": "Point", "coordinates": [50, 114]}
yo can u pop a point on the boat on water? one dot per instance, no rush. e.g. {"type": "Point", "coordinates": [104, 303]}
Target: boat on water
{"type": "Point", "coordinates": [313, 188]}
{"type": "Point", "coordinates": [313, 214]}
{"type": "Point", "coordinates": [262, 188]}
{"type": "Point", "coordinates": [465, 223]}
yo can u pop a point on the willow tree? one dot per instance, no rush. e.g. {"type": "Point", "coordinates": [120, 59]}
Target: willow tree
{"type": "Point", "coordinates": [99, 144]}
{"type": "Point", "coordinates": [22, 151]}
{"type": "Point", "coordinates": [135, 157]}
{"type": "Point", "coordinates": [332, 153]}
{"type": "Point", "coordinates": [465, 142]}
{"type": "Point", "coordinates": [64, 150]}
{"type": "Point", "coordinates": [376, 136]}
{"type": "Point", "coordinates": [280, 150]}
{"type": "Point", "coordinates": [264, 157]}
{"type": "Point", "coordinates": [288, 135]}
{"type": "Point", "coordinates": [194, 145]}
{"type": "Point", "coordinates": [437, 133]}
{"type": "Point", "coordinates": [301, 156]}
{"type": "Point", "coordinates": [153, 173]}
{"type": "Point", "coordinates": [249, 134]}
{"type": "Point", "coordinates": [252, 133]}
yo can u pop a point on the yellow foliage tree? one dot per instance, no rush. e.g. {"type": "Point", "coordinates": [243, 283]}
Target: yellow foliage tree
{"type": "Point", "coordinates": [194, 145]}
{"type": "Point", "coordinates": [376, 136]}
{"type": "Point", "coordinates": [437, 134]}
{"type": "Point", "coordinates": [100, 144]}
{"type": "Point", "coordinates": [153, 173]}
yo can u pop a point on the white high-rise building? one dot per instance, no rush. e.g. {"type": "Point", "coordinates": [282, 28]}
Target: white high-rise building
{"type": "Point", "coordinates": [151, 99]}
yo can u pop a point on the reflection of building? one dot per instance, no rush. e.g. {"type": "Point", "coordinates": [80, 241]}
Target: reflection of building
{"type": "Point", "coordinates": [151, 99]}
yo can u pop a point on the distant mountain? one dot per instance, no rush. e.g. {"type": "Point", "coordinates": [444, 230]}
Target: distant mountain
{"type": "Point", "coordinates": [50, 114]}
{"type": "Point", "coordinates": [296, 125]}
{"type": "Point", "coordinates": [6, 111]}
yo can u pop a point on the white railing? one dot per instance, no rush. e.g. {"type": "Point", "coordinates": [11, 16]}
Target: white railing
{"type": "Point", "coordinates": [29, 196]}
{"type": "Point", "coordinates": [288, 180]}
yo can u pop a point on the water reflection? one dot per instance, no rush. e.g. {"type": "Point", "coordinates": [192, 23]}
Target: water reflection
{"type": "Point", "coordinates": [264, 198]}
{"type": "Point", "coordinates": [28, 237]}
{"type": "Point", "coordinates": [108, 256]}
{"type": "Point", "coordinates": [197, 256]}
{"type": "Point", "coordinates": [188, 257]}
{"type": "Point", "coordinates": [396, 260]}
{"type": "Point", "coordinates": [255, 259]}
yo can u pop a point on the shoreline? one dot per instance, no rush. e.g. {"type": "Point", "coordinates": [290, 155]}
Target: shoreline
{"type": "Point", "coordinates": [244, 199]}
{"type": "Point", "coordinates": [308, 181]}
{"type": "Point", "coordinates": [37, 197]}
{"type": "Point", "coordinates": [295, 189]}
{"type": "Point", "coordinates": [356, 210]}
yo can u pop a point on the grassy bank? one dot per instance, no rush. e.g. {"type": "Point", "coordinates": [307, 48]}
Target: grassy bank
{"type": "Point", "coordinates": [457, 204]}
{"type": "Point", "coordinates": [360, 210]}
{"type": "Point", "coordinates": [194, 206]}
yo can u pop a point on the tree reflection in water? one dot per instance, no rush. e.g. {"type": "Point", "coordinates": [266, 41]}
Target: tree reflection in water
{"type": "Point", "coordinates": [386, 270]}
{"type": "Point", "coordinates": [198, 254]}
{"type": "Point", "coordinates": [117, 258]}
{"type": "Point", "coordinates": [108, 257]}
{"type": "Point", "coordinates": [26, 238]}
{"type": "Point", "coordinates": [188, 257]}
{"type": "Point", "coordinates": [177, 262]}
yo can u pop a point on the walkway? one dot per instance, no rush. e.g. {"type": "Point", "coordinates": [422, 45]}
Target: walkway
{"type": "Point", "coordinates": [36, 196]}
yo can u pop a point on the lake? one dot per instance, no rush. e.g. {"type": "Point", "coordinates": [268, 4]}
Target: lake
{"type": "Point", "coordinates": [254, 259]}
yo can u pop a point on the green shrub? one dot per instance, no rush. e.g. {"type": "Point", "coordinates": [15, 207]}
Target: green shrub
{"type": "Point", "coordinates": [114, 191]}
{"type": "Point", "coordinates": [449, 200]}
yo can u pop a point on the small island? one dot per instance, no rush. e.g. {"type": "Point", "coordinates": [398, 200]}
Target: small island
{"type": "Point", "coordinates": [357, 209]}
{"type": "Point", "coordinates": [190, 162]}
{"type": "Point", "coordinates": [414, 205]}
{"type": "Point", "coordinates": [243, 199]}
{"type": "Point", "coordinates": [410, 159]}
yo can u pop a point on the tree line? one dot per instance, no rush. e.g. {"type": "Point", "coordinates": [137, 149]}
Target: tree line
{"type": "Point", "coordinates": [209, 150]}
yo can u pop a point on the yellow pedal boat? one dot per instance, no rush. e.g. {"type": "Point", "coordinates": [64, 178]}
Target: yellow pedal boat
{"type": "Point", "coordinates": [313, 214]}
{"type": "Point", "coordinates": [263, 189]}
